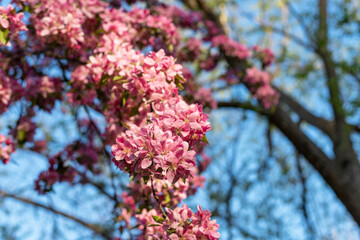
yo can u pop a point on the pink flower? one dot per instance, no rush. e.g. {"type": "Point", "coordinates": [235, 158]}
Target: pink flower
{"type": "Point", "coordinates": [182, 222]}
{"type": "Point", "coordinates": [259, 84]}
{"type": "Point", "coordinates": [231, 47]}
{"type": "Point", "coordinates": [7, 147]}
{"type": "Point", "coordinates": [266, 55]}
{"type": "Point", "coordinates": [11, 20]}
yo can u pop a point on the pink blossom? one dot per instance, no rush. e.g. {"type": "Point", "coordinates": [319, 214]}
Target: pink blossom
{"type": "Point", "coordinates": [7, 147]}
{"type": "Point", "coordinates": [231, 47]}
{"type": "Point", "coordinates": [183, 223]}
{"type": "Point", "coordinates": [11, 20]}
{"type": "Point", "coordinates": [266, 55]}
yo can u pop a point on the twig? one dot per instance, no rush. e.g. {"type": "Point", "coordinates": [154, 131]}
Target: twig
{"type": "Point", "coordinates": [95, 228]}
{"type": "Point", "coordinates": [158, 201]}
{"type": "Point", "coordinates": [106, 153]}
{"type": "Point", "coordinates": [303, 198]}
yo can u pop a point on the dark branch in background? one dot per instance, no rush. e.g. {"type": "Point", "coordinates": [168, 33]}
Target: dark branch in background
{"type": "Point", "coordinates": [324, 125]}
{"type": "Point", "coordinates": [95, 228]}
{"type": "Point", "coordinates": [303, 204]}
{"type": "Point", "coordinates": [300, 20]}
{"type": "Point", "coordinates": [283, 32]}
{"type": "Point", "coordinates": [63, 70]}
{"type": "Point", "coordinates": [158, 201]}
{"type": "Point", "coordinates": [342, 175]}
{"type": "Point", "coordinates": [243, 105]}
{"type": "Point", "coordinates": [97, 185]}
{"type": "Point", "coordinates": [342, 143]}
{"type": "Point", "coordinates": [107, 154]}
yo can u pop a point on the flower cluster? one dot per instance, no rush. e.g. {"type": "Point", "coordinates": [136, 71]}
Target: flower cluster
{"type": "Point", "coordinates": [181, 223]}
{"type": "Point", "coordinates": [148, 151]}
{"type": "Point", "coordinates": [58, 171]}
{"type": "Point", "coordinates": [10, 24]}
{"type": "Point", "coordinates": [25, 129]}
{"type": "Point", "coordinates": [259, 82]}
{"type": "Point", "coordinates": [151, 229]}
{"type": "Point", "coordinates": [61, 166]}
{"type": "Point", "coordinates": [5, 91]}
{"type": "Point", "coordinates": [231, 47]}
{"type": "Point", "coordinates": [7, 147]}
{"type": "Point", "coordinates": [266, 55]}
{"type": "Point", "coordinates": [43, 91]}
{"type": "Point", "coordinates": [180, 17]}
{"type": "Point", "coordinates": [62, 21]}
{"type": "Point", "coordinates": [163, 147]}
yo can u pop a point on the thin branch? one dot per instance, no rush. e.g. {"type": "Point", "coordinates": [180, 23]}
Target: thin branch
{"type": "Point", "coordinates": [243, 105]}
{"type": "Point", "coordinates": [300, 20]}
{"type": "Point", "coordinates": [283, 32]}
{"type": "Point", "coordinates": [326, 126]}
{"type": "Point", "coordinates": [158, 201]}
{"type": "Point", "coordinates": [98, 186]}
{"type": "Point", "coordinates": [304, 198]}
{"type": "Point", "coordinates": [106, 153]}
{"type": "Point", "coordinates": [342, 174]}
{"type": "Point", "coordinates": [95, 228]}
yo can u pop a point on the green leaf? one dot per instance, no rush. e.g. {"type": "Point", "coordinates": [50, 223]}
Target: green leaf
{"type": "Point", "coordinates": [167, 198]}
{"type": "Point", "coordinates": [134, 111]}
{"type": "Point", "coordinates": [158, 219]}
{"type": "Point", "coordinates": [125, 125]}
{"type": "Point", "coordinates": [125, 97]}
{"type": "Point", "coordinates": [3, 35]}
{"type": "Point", "coordinates": [178, 81]}
{"type": "Point", "coordinates": [171, 230]}
{"type": "Point", "coordinates": [171, 48]}
{"type": "Point", "coordinates": [154, 225]}
{"type": "Point", "coordinates": [146, 179]}
{"type": "Point", "coordinates": [21, 135]}
{"type": "Point", "coordinates": [104, 79]}
{"type": "Point", "coordinates": [204, 139]}
{"type": "Point", "coordinates": [120, 79]}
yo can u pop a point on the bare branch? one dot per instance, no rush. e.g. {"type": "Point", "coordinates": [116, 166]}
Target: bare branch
{"type": "Point", "coordinates": [326, 126]}
{"type": "Point", "coordinates": [283, 32]}
{"type": "Point", "coordinates": [95, 228]}
{"type": "Point", "coordinates": [304, 198]}
{"type": "Point", "coordinates": [300, 20]}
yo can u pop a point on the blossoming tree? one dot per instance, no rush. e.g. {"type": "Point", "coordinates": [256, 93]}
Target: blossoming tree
{"type": "Point", "coordinates": [130, 62]}
{"type": "Point", "coordinates": [121, 64]}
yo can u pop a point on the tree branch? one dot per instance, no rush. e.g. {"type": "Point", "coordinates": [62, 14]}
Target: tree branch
{"type": "Point", "coordinates": [283, 32]}
{"type": "Point", "coordinates": [304, 198]}
{"type": "Point", "coordinates": [300, 20]}
{"type": "Point", "coordinates": [326, 126]}
{"type": "Point", "coordinates": [342, 175]}
{"type": "Point", "coordinates": [95, 228]}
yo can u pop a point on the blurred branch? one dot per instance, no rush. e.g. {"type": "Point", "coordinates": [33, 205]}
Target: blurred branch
{"type": "Point", "coordinates": [304, 198]}
{"type": "Point", "coordinates": [209, 14]}
{"type": "Point", "coordinates": [95, 228]}
{"type": "Point", "coordinates": [98, 186]}
{"type": "Point", "coordinates": [108, 156]}
{"type": "Point", "coordinates": [343, 149]}
{"type": "Point", "coordinates": [300, 20]}
{"type": "Point", "coordinates": [324, 125]}
{"type": "Point", "coordinates": [243, 105]}
{"type": "Point", "coordinates": [342, 174]}
{"type": "Point", "coordinates": [283, 32]}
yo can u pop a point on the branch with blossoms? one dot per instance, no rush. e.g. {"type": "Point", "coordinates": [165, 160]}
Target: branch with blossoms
{"type": "Point", "coordinates": [153, 132]}
{"type": "Point", "coordinates": [127, 66]}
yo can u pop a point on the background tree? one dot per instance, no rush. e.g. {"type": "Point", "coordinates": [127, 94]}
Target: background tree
{"type": "Point", "coordinates": [261, 184]}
